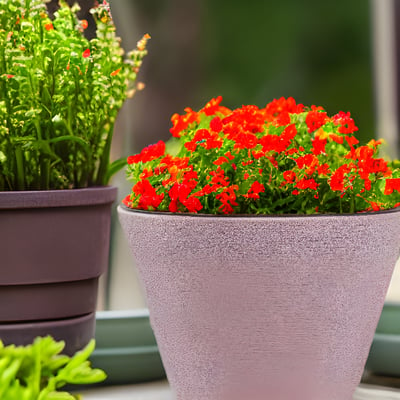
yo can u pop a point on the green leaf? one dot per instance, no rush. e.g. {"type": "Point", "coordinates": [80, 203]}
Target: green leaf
{"type": "Point", "coordinates": [114, 167]}
{"type": "Point", "coordinates": [59, 396]}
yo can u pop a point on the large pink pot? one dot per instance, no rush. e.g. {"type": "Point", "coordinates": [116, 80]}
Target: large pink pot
{"type": "Point", "coordinates": [264, 307]}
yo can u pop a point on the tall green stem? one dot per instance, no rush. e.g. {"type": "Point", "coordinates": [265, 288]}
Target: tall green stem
{"type": "Point", "coordinates": [100, 179]}
{"type": "Point", "coordinates": [20, 168]}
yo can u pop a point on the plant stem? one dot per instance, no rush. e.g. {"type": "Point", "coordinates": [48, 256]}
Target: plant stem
{"type": "Point", "coordinates": [20, 168]}
{"type": "Point", "coordinates": [100, 179]}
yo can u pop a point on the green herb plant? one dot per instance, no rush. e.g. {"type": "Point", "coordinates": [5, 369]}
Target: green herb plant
{"type": "Point", "coordinates": [38, 371]}
{"type": "Point", "coordinates": [60, 94]}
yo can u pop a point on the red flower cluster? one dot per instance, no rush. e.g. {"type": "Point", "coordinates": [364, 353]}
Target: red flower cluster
{"type": "Point", "coordinates": [149, 153]}
{"type": "Point", "coordinates": [283, 158]}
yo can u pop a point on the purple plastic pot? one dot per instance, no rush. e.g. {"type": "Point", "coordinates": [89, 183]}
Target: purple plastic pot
{"type": "Point", "coordinates": [264, 307]}
{"type": "Point", "coordinates": [54, 245]}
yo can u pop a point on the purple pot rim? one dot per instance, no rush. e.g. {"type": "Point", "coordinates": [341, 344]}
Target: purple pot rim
{"type": "Point", "coordinates": [124, 208]}
{"type": "Point", "coordinates": [96, 195]}
{"type": "Point", "coordinates": [59, 323]}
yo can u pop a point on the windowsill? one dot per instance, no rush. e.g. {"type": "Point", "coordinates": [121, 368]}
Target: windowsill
{"type": "Point", "coordinates": [160, 390]}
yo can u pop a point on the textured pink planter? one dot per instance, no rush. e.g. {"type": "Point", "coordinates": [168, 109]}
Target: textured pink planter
{"type": "Point", "coordinates": [269, 307]}
{"type": "Point", "coordinates": [54, 246]}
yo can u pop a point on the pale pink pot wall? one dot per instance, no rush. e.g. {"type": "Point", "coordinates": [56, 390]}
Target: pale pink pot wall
{"type": "Point", "coordinates": [262, 308]}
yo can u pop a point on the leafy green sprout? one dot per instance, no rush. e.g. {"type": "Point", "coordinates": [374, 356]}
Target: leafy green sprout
{"type": "Point", "coordinates": [37, 371]}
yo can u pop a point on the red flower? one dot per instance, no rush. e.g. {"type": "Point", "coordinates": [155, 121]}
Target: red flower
{"type": "Point", "coordinates": [318, 146]}
{"type": "Point", "coordinates": [351, 140]}
{"type": "Point", "coordinates": [224, 159]}
{"type": "Point", "coordinates": [228, 199]}
{"type": "Point", "coordinates": [258, 154]}
{"type": "Point", "coordinates": [367, 164]}
{"type": "Point", "coordinates": [84, 24]}
{"type": "Point", "coordinates": [282, 119]}
{"type": "Point", "coordinates": [149, 199]}
{"type": "Point", "coordinates": [391, 185]}
{"type": "Point", "coordinates": [206, 139]}
{"type": "Point", "coordinates": [182, 122]}
{"type": "Point", "coordinates": [279, 143]}
{"type": "Point", "coordinates": [216, 124]}
{"type": "Point", "coordinates": [149, 153]}
{"type": "Point", "coordinates": [346, 123]}
{"type": "Point", "coordinates": [213, 107]}
{"type": "Point", "coordinates": [323, 169]}
{"type": "Point", "coordinates": [255, 189]}
{"type": "Point", "coordinates": [248, 162]}
{"type": "Point", "coordinates": [229, 155]}
{"type": "Point", "coordinates": [180, 194]}
{"type": "Point", "coordinates": [375, 206]}
{"type": "Point", "coordinates": [310, 161]}
{"type": "Point", "coordinates": [245, 141]}
{"type": "Point", "coordinates": [242, 125]}
{"type": "Point", "coordinates": [336, 138]}
{"type": "Point", "coordinates": [316, 119]}
{"type": "Point", "coordinates": [147, 173]}
{"type": "Point", "coordinates": [193, 204]}
{"type": "Point", "coordinates": [220, 160]}
{"type": "Point", "coordinates": [282, 105]}
{"type": "Point", "coordinates": [86, 53]}
{"type": "Point", "coordinates": [307, 184]}
{"type": "Point", "coordinates": [289, 176]}
{"type": "Point", "coordinates": [49, 27]}
{"type": "Point", "coordinates": [336, 181]}
{"type": "Point", "coordinates": [127, 201]}
{"type": "Point", "coordinates": [218, 177]}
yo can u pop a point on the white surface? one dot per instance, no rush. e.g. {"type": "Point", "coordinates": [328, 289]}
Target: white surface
{"type": "Point", "coordinates": [394, 288]}
{"type": "Point", "coordinates": [368, 392]}
{"type": "Point", "coordinates": [149, 391]}
{"type": "Point", "coordinates": [160, 391]}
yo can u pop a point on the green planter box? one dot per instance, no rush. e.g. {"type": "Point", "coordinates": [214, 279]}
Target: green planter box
{"type": "Point", "coordinates": [384, 356]}
{"type": "Point", "coordinates": [126, 348]}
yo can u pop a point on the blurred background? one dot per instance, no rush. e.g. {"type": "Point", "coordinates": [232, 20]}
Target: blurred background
{"type": "Point", "coordinates": [341, 55]}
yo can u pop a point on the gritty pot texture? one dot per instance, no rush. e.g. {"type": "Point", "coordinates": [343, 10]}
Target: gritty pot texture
{"type": "Point", "coordinates": [258, 307]}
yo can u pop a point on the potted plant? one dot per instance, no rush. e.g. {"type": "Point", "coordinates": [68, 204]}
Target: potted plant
{"type": "Point", "coordinates": [265, 245]}
{"type": "Point", "coordinates": [60, 94]}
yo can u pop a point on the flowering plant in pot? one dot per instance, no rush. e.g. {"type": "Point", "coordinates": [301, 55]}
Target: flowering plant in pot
{"type": "Point", "coordinates": [59, 98]}
{"type": "Point", "coordinates": [265, 245]}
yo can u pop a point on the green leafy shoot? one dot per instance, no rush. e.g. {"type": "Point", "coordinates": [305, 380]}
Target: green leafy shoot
{"type": "Point", "coordinates": [38, 371]}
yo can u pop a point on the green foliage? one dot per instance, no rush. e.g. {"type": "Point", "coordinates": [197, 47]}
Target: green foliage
{"type": "Point", "coordinates": [59, 95]}
{"type": "Point", "coordinates": [38, 371]}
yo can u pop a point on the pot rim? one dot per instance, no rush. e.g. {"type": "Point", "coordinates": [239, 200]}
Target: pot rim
{"type": "Point", "coordinates": [124, 208]}
{"type": "Point", "coordinates": [57, 198]}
